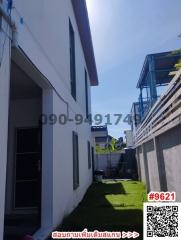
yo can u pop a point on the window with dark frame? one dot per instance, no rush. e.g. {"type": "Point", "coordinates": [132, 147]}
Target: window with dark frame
{"type": "Point", "coordinates": [93, 165]}
{"type": "Point", "coordinates": [75, 160]}
{"type": "Point", "coordinates": [72, 61]}
{"type": "Point", "coordinates": [92, 152]}
{"type": "Point", "coordinates": [86, 95]}
{"type": "Point", "coordinates": [89, 154]}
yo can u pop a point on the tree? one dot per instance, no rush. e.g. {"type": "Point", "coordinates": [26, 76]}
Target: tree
{"type": "Point", "coordinates": [177, 65]}
{"type": "Point", "coordinates": [111, 145]}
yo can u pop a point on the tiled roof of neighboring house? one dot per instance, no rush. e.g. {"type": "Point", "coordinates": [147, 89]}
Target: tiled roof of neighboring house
{"type": "Point", "coordinates": [80, 10]}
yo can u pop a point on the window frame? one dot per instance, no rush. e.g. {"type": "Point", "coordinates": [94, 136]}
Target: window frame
{"type": "Point", "coordinates": [72, 61]}
{"type": "Point", "coordinates": [86, 94]}
{"type": "Point", "coordinates": [75, 151]}
{"type": "Point", "coordinates": [89, 154]}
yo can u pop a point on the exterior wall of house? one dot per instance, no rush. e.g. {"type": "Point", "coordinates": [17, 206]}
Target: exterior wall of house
{"type": "Point", "coordinates": [58, 196]}
{"type": "Point", "coordinates": [45, 41]}
{"type": "Point", "coordinates": [4, 102]}
{"type": "Point", "coordinates": [100, 134]}
{"type": "Point", "coordinates": [102, 144]}
{"type": "Point", "coordinates": [65, 199]}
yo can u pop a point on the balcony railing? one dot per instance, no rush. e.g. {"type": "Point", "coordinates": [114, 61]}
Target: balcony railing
{"type": "Point", "coordinates": [164, 115]}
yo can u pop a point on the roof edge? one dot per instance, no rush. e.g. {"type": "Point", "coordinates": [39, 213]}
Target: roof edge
{"type": "Point", "coordinates": [82, 19]}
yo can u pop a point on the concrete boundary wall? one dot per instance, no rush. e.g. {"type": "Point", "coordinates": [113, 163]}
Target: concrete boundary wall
{"type": "Point", "coordinates": [159, 162]}
{"type": "Point", "coordinates": [106, 161]}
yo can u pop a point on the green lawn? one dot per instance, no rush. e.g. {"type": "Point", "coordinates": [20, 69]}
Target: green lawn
{"type": "Point", "coordinates": [111, 205]}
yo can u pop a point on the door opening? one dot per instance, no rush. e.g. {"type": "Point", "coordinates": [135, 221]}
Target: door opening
{"type": "Point", "coordinates": [23, 172]}
{"type": "Point", "coordinates": [27, 168]}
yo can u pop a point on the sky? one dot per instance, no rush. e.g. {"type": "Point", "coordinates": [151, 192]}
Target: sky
{"type": "Point", "coordinates": [123, 33]}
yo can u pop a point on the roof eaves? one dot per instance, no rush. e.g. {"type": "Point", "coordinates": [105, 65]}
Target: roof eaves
{"type": "Point", "coordinates": [81, 15]}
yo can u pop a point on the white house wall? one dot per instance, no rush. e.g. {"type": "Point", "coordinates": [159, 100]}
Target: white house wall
{"type": "Point", "coordinates": [44, 37]}
{"type": "Point", "coordinates": [65, 199]}
{"type": "Point", "coordinates": [4, 102]}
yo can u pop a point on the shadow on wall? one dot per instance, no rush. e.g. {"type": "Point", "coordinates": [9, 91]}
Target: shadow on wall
{"type": "Point", "coordinates": [128, 165]}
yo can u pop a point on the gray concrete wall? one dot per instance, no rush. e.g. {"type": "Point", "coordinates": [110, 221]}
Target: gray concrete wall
{"type": "Point", "coordinates": [138, 164]}
{"type": "Point", "coordinates": [105, 161]}
{"type": "Point", "coordinates": [153, 175]}
{"type": "Point", "coordinates": [142, 164]}
{"type": "Point", "coordinates": [117, 165]}
{"type": "Point", "coordinates": [169, 152]}
{"type": "Point", "coordinates": [160, 162]}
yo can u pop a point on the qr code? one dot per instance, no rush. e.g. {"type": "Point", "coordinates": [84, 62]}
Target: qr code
{"type": "Point", "coordinates": [162, 221]}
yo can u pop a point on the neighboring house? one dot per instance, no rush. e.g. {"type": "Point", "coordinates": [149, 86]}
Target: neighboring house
{"type": "Point", "coordinates": [100, 136]}
{"type": "Point", "coordinates": [129, 138]}
{"type": "Point", "coordinates": [47, 68]}
{"type": "Point", "coordinates": [103, 142]}
{"type": "Point", "coordinates": [99, 131]}
{"type": "Point", "coordinates": [154, 78]}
